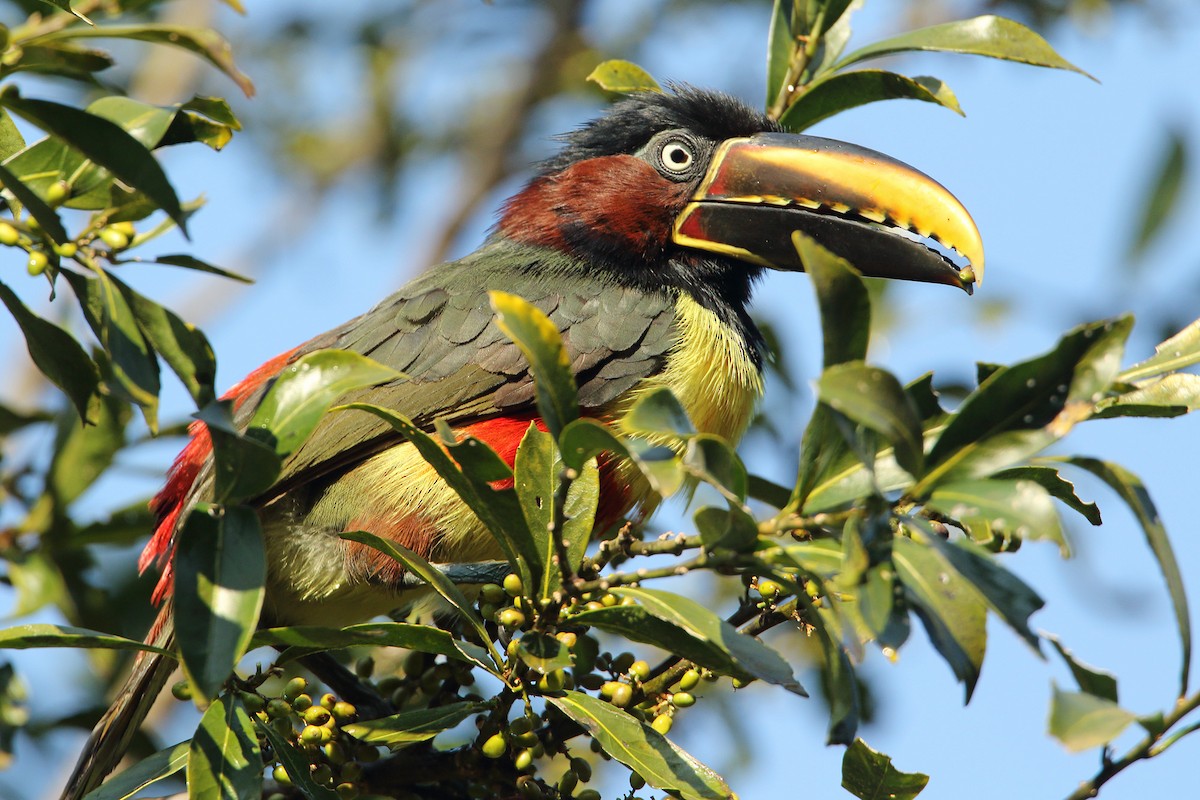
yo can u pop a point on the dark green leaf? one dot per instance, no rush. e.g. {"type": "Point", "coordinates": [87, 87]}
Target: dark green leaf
{"type": "Point", "coordinates": [713, 461]}
{"type": "Point", "coordinates": [1059, 487]}
{"type": "Point", "coordinates": [478, 461]}
{"type": "Point", "coordinates": [189, 262]}
{"type": "Point", "coordinates": [623, 76]}
{"type": "Point", "coordinates": [642, 749]}
{"type": "Point", "coordinates": [497, 509]}
{"type": "Point", "coordinates": [658, 411]}
{"type": "Point", "coordinates": [579, 512]}
{"type": "Point", "coordinates": [838, 678]}
{"type": "Point", "coordinates": [951, 609]}
{"type": "Point", "coordinates": [24, 637]}
{"type": "Point", "coordinates": [409, 727]}
{"type": "Point", "coordinates": [1130, 488]}
{"type": "Point", "coordinates": [425, 571]}
{"type": "Point", "coordinates": [11, 140]}
{"type": "Point", "coordinates": [65, 5]}
{"type": "Point", "coordinates": [780, 46]}
{"type": "Point", "coordinates": [543, 652]}
{"type": "Point", "coordinates": [144, 122]}
{"type": "Point", "coordinates": [105, 143]}
{"type": "Point", "coordinates": [295, 763]}
{"type": "Point", "coordinates": [536, 470]}
{"type": "Point", "coordinates": [224, 761]}
{"type": "Point", "coordinates": [56, 354]}
{"type": "Point", "coordinates": [182, 345]}
{"type": "Point", "coordinates": [1020, 508]}
{"type": "Point", "coordinates": [540, 341]}
{"type": "Point", "coordinates": [751, 655]}
{"type": "Point", "coordinates": [12, 420]}
{"type": "Point", "coordinates": [64, 60]}
{"type": "Point", "coordinates": [220, 572]}
{"type": "Point", "coordinates": [204, 42]}
{"type": "Point", "coordinates": [1091, 680]}
{"type": "Point", "coordinates": [1168, 396]}
{"type": "Point", "coordinates": [215, 108]}
{"type": "Point", "coordinates": [731, 528]}
{"type": "Point", "coordinates": [1181, 350]}
{"type": "Point", "coordinates": [1082, 721]}
{"type": "Point", "coordinates": [869, 775]}
{"type": "Point", "coordinates": [243, 467]}
{"type": "Point", "coordinates": [46, 216]}
{"type": "Point", "coordinates": [1162, 194]}
{"type": "Point", "coordinates": [305, 389]}
{"type": "Point", "coordinates": [994, 37]}
{"type": "Point", "coordinates": [766, 491]}
{"type": "Point", "coordinates": [845, 90]}
{"type": "Point", "coordinates": [303, 640]}
{"type": "Point", "coordinates": [149, 770]}
{"type": "Point", "coordinates": [873, 398]}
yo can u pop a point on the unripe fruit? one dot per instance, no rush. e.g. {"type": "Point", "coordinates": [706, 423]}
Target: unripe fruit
{"type": "Point", "coordinates": [567, 783]}
{"type": "Point", "coordinates": [623, 662]}
{"type": "Point", "coordinates": [609, 600]}
{"type": "Point", "coordinates": [568, 639]}
{"type": "Point", "coordinates": [253, 703]}
{"type": "Point", "coordinates": [114, 238]}
{"type": "Point", "coordinates": [523, 761]}
{"type": "Point", "coordinates": [58, 192]}
{"type": "Point", "coordinates": [278, 709]}
{"type": "Point", "coordinates": [344, 712]}
{"type": "Point", "coordinates": [512, 584]}
{"type": "Point", "coordinates": [689, 680]}
{"type": "Point", "coordinates": [66, 249]}
{"type": "Point", "coordinates": [181, 690]}
{"type": "Point", "coordinates": [314, 734]}
{"type": "Point", "coordinates": [639, 670]}
{"type": "Point", "coordinates": [352, 771]}
{"type": "Point", "coordinates": [347, 791]}
{"type": "Point", "coordinates": [769, 589]}
{"type": "Point", "coordinates": [323, 775]}
{"type": "Point", "coordinates": [683, 700]}
{"type": "Point", "coordinates": [636, 781]}
{"type": "Point", "coordinates": [317, 715]}
{"type": "Point", "coordinates": [336, 754]}
{"type": "Point", "coordinates": [328, 701]}
{"type": "Point", "coordinates": [493, 593]}
{"type": "Point", "coordinates": [294, 688]}
{"type": "Point", "coordinates": [8, 234]}
{"type": "Point", "coordinates": [37, 263]}
{"type": "Point", "coordinates": [582, 768]}
{"type": "Point", "coordinates": [553, 681]}
{"type": "Point", "coordinates": [303, 702]}
{"type": "Point", "coordinates": [281, 776]}
{"type": "Point", "coordinates": [529, 788]}
{"type": "Point", "coordinates": [367, 754]}
{"type": "Point", "coordinates": [125, 228]}
{"type": "Point", "coordinates": [622, 695]}
{"type": "Point", "coordinates": [662, 724]}
{"type": "Point", "coordinates": [364, 667]}
{"type": "Point", "coordinates": [588, 794]}
{"type": "Point", "coordinates": [520, 725]}
{"type": "Point", "coordinates": [494, 747]}
{"type": "Point", "coordinates": [511, 618]}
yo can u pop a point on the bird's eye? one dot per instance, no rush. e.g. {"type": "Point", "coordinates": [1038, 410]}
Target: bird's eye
{"type": "Point", "coordinates": [677, 156]}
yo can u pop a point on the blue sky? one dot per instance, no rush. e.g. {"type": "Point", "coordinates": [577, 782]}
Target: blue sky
{"type": "Point", "coordinates": [1050, 164]}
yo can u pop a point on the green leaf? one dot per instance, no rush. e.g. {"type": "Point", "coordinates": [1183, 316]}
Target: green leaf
{"type": "Point", "coordinates": [204, 42]}
{"type": "Point", "coordinates": [25, 637]}
{"type": "Point", "coordinates": [641, 748]}
{"type": "Point", "coordinates": [1130, 489]}
{"type": "Point", "coordinates": [82, 453]}
{"type": "Point", "coordinates": [1169, 396]}
{"type": "Point", "coordinates": [543, 652]}
{"type": "Point", "coordinates": [295, 763]}
{"type": "Point", "coordinates": [220, 572]}
{"type": "Point", "coordinates": [1181, 350]}
{"type": "Point", "coordinates": [731, 528]}
{"type": "Point", "coordinates": [1082, 721]}
{"type": "Point", "coordinates": [1059, 487]}
{"type": "Point", "coordinates": [1091, 680]}
{"type": "Point", "coordinates": [1019, 508]}
{"type": "Point", "coordinates": [224, 761]}
{"type": "Point", "coordinates": [149, 770]}
{"type": "Point", "coordinates": [579, 512]}
{"type": "Point", "coordinates": [616, 75]}
{"type": "Point", "coordinates": [1162, 194]}
{"type": "Point", "coordinates": [781, 44]}
{"type": "Point", "coordinates": [539, 339]}
{"type": "Point", "coordinates": [188, 262]}
{"type": "Point", "coordinates": [305, 389]}
{"type": "Point", "coordinates": [304, 639]}
{"type": "Point", "coordinates": [47, 217]}
{"type": "Point", "coordinates": [712, 460]}
{"type": "Point", "coordinates": [586, 438]}
{"type": "Point", "coordinates": [56, 354]}
{"type": "Point", "coordinates": [658, 411]}
{"type": "Point", "coordinates": [65, 5]}
{"type": "Point", "coordinates": [426, 572]}
{"type": "Point", "coordinates": [243, 468]}
{"type": "Point", "coordinates": [497, 509]}
{"type": "Point", "coordinates": [410, 727]}
{"type": "Point", "coordinates": [536, 471]}
{"type": "Point", "coordinates": [63, 60]}
{"type": "Point", "coordinates": [951, 609]}
{"type": "Point", "coordinates": [182, 345]}
{"type": "Point", "coordinates": [751, 655]}
{"type": "Point", "coordinates": [873, 398]}
{"type": "Point", "coordinates": [842, 91]}
{"type": "Point", "coordinates": [869, 775]}
{"type": "Point", "coordinates": [105, 143]}
{"type": "Point", "coordinates": [11, 140]}
{"type": "Point", "coordinates": [994, 37]}
{"type": "Point", "coordinates": [144, 122]}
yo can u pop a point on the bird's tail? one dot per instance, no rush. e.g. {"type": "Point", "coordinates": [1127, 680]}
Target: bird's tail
{"type": "Point", "coordinates": [111, 737]}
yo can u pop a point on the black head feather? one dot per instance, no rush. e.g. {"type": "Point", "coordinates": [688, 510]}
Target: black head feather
{"type": "Point", "coordinates": [633, 121]}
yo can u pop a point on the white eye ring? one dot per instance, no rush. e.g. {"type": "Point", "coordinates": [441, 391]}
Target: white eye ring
{"type": "Point", "coordinates": [676, 156]}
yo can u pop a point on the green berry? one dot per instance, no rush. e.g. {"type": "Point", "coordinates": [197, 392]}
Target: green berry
{"type": "Point", "coordinates": [125, 228]}
{"type": "Point", "coordinates": [303, 702]}
{"type": "Point", "coordinates": [512, 585]}
{"type": "Point", "coordinates": [662, 724]}
{"type": "Point", "coordinates": [253, 702]}
{"type": "Point", "coordinates": [582, 768]}
{"type": "Point", "coordinates": [314, 734]}
{"type": "Point", "coordinates": [683, 699]}
{"type": "Point", "coordinates": [623, 662]}
{"type": "Point", "coordinates": [58, 192]}
{"type": "Point", "coordinates": [323, 775]}
{"type": "Point", "coordinates": [66, 249]}
{"type": "Point", "coordinates": [37, 263]}
{"type": "Point", "coordinates": [636, 781]}
{"type": "Point", "coordinates": [567, 783]}
{"type": "Point", "coordinates": [317, 715]}
{"type": "Point", "coordinates": [494, 747]}
{"type": "Point", "coordinates": [493, 593]}
{"type": "Point", "coordinates": [622, 695]}
{"type": "Point", "coordinates": [588, 794]}
{"type": "Point", "coordinates": [689, 680]}
{"type": "Point", "coordinates": [182, 690]}
{"type": "Point", "coordinates": [344, 712]}
{"type": "Point", "coordinates": [114, 238]}
{"type": "Point", "coordinates": [520, 725]}
{"type": "Point", "coordinates": [294, 688]}
{"type": "Point", "coordinates": [281, 776]}
{"type": "Point", "coordinates": [553, 681]}
{"type": "Point", "coordinates": [364, 667]}
{"type": "Point", "coordinates": [347, 791]}
{"type": "Point", "coordinates": [769, 589]}
{"type": "Point", "coordinates": [511, 618]}
{"type": "Point", "coordinates": [524, 760]}
{"type": "Point", "coordinates": [8, 234]}
{"type": "Point", "coordinates": [568, 639]}
{"type": "Point", "coordinates": [639, 670]}
{"type": "Point", "coordinates": [328, 701]}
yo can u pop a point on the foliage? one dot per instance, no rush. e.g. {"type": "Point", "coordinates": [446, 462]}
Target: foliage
{"type": "Point", "coordinates": [901, 508]}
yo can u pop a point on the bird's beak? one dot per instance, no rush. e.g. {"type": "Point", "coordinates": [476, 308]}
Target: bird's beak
{"type": "Point", "coordinates": [881, 215]}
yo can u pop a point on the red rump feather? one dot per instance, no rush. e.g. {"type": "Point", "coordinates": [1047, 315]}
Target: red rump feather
{"type": "Point", "coordinates": [168, 504]}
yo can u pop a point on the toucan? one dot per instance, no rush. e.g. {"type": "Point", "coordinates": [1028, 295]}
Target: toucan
{"type": "Point", "coordinates": [641, 240]}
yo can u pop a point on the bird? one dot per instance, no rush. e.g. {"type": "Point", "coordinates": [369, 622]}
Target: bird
{"type": "Point", "coordinates": [641, 240]}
